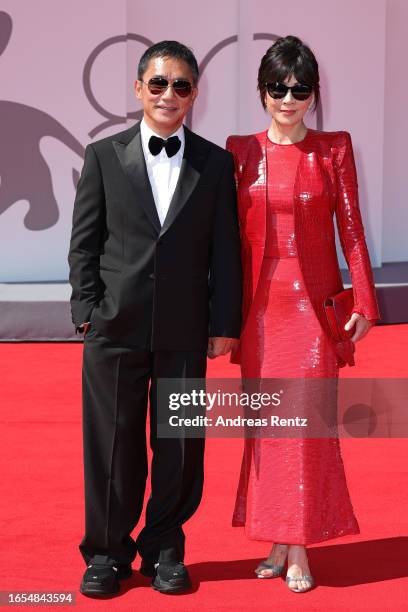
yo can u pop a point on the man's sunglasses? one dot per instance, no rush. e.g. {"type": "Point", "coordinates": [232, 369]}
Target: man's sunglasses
{"type": "Point", "coordinates": [158, 85]}
{"type": "Point", "coordinates": [279, 91]}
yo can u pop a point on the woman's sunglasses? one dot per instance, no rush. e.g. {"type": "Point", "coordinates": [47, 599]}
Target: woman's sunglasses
{"type": "Point", "coordinates": [279, 91]}
{"type": "Point", "coordinates": [158, 85]}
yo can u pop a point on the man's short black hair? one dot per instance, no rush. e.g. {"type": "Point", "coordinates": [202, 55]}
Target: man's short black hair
{"type": "Point", "coordinates": [170, 49]}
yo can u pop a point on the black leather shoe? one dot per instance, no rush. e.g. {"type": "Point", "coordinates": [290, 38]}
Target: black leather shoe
{"type": "Point", "coordinates": [102, 577]}
{"type": "Point", "coordinates": [171, 578]}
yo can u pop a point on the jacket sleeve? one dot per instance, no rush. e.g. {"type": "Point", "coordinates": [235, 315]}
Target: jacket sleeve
{"type": "Point", "coordinates": [225, 268]}
{"type": "Point", "coordinates": [351, 230]}
{"type": "Point", "coordinates": [229, 145]}
{"type": "Point", "coordinates": [88, 228]}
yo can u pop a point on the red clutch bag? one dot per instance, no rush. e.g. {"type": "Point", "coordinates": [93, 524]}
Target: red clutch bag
{"type": "Point", "coordinates": [338, 309]}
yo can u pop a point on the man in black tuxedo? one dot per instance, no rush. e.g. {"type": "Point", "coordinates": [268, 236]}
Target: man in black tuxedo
{"type": "Point", "coordinates": [156, 286]}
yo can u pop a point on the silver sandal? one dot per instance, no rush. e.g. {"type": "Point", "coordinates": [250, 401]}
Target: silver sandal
{"type": "Point", "coordinates": [276, 570]}
{"type": "Point", "coordinates": [306, 577]}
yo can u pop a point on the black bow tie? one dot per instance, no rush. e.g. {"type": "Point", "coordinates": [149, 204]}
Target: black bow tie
{"type": "Point", "coordinates": [171, 145]}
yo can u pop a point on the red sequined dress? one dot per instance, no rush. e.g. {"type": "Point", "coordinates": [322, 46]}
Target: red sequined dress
{"type": "Point", "coordinates": [291, 490]}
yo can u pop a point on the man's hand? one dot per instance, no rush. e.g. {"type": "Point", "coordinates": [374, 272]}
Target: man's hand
{"type": "Point", "coordinates": [362, 326]}
{"type": "Point", "coordinates": [220, 346]}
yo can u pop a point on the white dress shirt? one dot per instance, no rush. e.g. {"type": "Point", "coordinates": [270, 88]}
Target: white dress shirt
{"type": "Point", "coordinates": [163, 171]}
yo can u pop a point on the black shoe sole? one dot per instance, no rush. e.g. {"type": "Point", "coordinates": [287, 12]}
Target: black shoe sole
{"type": "Point", "coordinates": [95, 591]}
{"type": "Point", "coordinates": [168, 589]}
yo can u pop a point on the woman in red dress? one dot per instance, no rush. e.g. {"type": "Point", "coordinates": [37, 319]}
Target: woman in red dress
{"type": "Point", "coordinates": [291, 182]}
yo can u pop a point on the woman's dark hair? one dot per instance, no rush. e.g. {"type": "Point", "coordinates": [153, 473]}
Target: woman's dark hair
{"type": "Point", "coordinates": [168, 48]}
{"type": "Point", "coordinates": [287, 56]}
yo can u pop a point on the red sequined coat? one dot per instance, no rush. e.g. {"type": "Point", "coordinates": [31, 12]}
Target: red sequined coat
{"type": "Point", "coordinates": [326, 185]}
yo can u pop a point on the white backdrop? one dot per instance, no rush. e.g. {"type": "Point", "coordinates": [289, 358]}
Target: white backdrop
{"type": "Point", "coordinates": [72, 82]}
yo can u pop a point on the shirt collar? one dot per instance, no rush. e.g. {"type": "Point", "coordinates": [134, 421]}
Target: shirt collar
{"type": "Point", "coordinates": [147, 132]}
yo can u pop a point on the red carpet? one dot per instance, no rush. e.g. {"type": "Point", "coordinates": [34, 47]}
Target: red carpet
{"type": "Point", "coordinates": [41, 506]}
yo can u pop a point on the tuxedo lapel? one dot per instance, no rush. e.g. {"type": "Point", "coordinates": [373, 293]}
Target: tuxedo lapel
{"type": "Point", "coordinates": [132, 160]}
{"type": "Point", "coordinates": [195, 154]}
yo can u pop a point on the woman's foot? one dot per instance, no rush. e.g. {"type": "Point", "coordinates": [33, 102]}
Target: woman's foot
{"type": "Point", "coordinates": [274, 565]}
{"type": "Point", "coordinates": [298, 576]}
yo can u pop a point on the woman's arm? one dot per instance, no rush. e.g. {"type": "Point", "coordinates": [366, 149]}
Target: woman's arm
{"type": "Point", "coordinates": [351, 233]}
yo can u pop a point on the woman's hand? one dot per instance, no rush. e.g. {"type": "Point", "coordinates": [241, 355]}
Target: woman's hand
{"type": "Point", "coordinates": [362, 326]}
{"type": "Point", "coordinates": [220, 346]}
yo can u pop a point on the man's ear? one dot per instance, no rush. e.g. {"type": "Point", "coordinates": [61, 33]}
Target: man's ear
{"type": "Point", "coordinates": [194, 94]}
{"type": "Point", "coordinates": [138, 89]}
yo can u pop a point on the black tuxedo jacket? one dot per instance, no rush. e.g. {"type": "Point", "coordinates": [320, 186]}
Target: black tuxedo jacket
{"type": "Point", "coordinates": [160, 288]}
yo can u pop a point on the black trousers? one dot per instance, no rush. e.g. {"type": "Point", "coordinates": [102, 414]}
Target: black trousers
{"type": "Point", "coordinates": [116, 383]}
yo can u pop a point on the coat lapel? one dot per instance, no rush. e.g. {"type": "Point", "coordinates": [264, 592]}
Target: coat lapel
{"type": "Point", "coordinates": [132, 160]}
{"type": "Point", "coordinates": [195, 154]}
{"type": "Point", "coordinates": [134, 166]}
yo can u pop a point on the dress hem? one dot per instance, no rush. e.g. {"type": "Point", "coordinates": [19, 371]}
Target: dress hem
{"type": "Point", "coordinates": [303, 542]}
